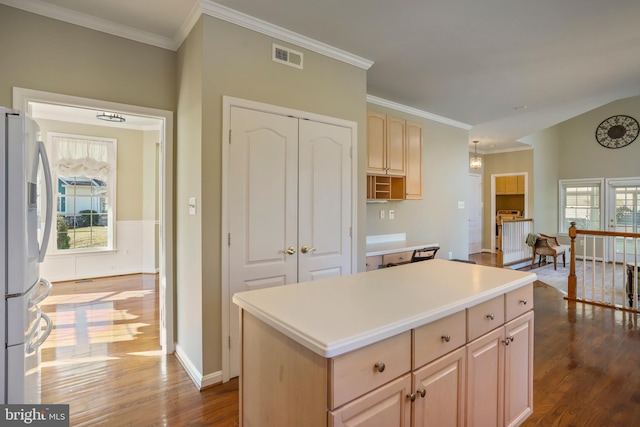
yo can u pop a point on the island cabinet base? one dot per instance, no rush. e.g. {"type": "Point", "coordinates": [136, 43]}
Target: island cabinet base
{"type": "Point", "coordinates": [472, 366]}
{"type": "Point", "coordinates": [282, 383]}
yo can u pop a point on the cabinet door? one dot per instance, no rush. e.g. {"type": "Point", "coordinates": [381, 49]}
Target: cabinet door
{"type": "Point", "coordinates": [376, 143]}
{"type": "Point", "coordinates": [387, 406]}
{"type": "Point", "coordinates": [518, 390]}
{"type": "Point", "coordinates": [485, 380]}
{"type": "Point", "coordinates": [501, 185]}
{"type": "Point", "coordinates": [511, 184]}
{"type": "Point", "coordinates": [520, 185]}
{"type": "Point", "coordinates": [414, 161]}
{"type": "Point", "coordinates": [443, 385]}
{"type": "Point", "coordinates": [396, 146]}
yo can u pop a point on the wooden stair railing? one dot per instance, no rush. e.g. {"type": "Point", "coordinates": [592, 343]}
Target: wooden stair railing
{"type": "Point", "coordinates": [630, 269]}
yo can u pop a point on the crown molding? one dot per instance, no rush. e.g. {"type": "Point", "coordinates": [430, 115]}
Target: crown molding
{"type": "Point", "coordinates": [226, 14]}
{"type": "Point", "coordinates": [81, 19]}
{"type": "Point", "coordinates": [416, 112]}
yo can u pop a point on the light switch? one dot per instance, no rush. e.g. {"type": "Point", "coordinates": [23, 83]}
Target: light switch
{"type": "Point", "coordinates": [381, 213]}
{"type": "Point", "coordinates": [192, 205]}
{"type": "Point", "coordinates": [392, 214]}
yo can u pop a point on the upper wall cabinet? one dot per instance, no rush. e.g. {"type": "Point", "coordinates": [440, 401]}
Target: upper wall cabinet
{"type": "Point", "coordinates": [385, 145]}
{"type": "Point", "coordinates": [512, 184]}
{"type": "Point", "coordinates": [414, 161]}
{"type": "Point", "coordinates": [394, 148]}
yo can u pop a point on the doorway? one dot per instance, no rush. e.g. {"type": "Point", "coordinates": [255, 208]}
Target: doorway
{"type": "Point", "coordinates": [623, 212]}
{"type": "Point", "coordinates": [24, 99]}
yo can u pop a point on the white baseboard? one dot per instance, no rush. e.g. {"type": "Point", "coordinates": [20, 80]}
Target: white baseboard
{"type": "Point", "coordinates": [196, 376]}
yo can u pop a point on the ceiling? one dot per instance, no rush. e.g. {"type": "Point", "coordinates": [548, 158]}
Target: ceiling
{"type": "Point", "coordinates": [505, 68]}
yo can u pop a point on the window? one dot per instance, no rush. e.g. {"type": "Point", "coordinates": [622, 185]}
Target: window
{"type": "Point", "coordinates": [84, 169]}
{"type": "Point", "coordinates": [581, 202]}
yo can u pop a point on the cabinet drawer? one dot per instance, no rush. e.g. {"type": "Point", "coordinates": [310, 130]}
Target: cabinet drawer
{"type": "Point", "coordinates": [438, 338]}
{"type": "Point", "coordinates": [373, 262]}
{"type": "Point", "coordinates": [397, 258]}
{"type": "Point", "coordinates": [518, 302]}
{"type": "Point", "coordinates": [360, 371]}
{"type": "Point", "coordinates": [484, 317]}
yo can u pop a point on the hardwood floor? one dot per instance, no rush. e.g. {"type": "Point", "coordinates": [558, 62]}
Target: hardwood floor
{"type": "Point", "coordinates": [104, 360]}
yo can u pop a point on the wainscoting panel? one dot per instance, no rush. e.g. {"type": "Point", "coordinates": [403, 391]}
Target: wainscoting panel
{"type": "Point", "coordinates": [136, 244]}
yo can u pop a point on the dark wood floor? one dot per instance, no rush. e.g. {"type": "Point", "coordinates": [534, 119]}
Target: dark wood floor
{"type": "Point", "coordinates": [104, 360]}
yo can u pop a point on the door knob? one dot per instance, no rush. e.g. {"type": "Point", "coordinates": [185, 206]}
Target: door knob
{"type": "Point", "coordinates": [306, 249]}
{"type": "Point", "coordinates": [291, 250]}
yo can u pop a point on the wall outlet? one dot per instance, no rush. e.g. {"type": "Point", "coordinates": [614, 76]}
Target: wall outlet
{"type": "Point", "coordinates": [450, 255]}
{"type": "Point", "coordinates": [392, 214]}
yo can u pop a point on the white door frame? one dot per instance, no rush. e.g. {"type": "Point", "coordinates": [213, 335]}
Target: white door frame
{"type": "Point", "coordinates": [21, 99]}
{"type": "Point", "coordinates": [473, 176]}
{"type": "Point", "coordinates": [610, 214]}
{"type": "Point", "coordinates": [229, 102]}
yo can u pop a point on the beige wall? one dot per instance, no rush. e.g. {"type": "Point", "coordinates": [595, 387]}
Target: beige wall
{"type": "Point", "coordinates": [436, 218]}
{"type": "Point", "coordinates": [48, 55]}
{"type": "Point", "coordinates": [226, 59]}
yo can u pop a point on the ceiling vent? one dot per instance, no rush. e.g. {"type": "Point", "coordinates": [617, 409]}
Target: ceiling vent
{"type": "Point", "coordinates": [287, 56]}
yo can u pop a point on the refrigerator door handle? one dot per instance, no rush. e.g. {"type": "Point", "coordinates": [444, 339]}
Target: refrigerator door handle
{"type": "Point", "coordinates": [32, 346]}
{"type": "Point", "coordinates": [48, 287]}
{"type": "Point", "coordinates": [42, 152]}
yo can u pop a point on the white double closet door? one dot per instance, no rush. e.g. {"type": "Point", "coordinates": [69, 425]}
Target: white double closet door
{"type": "Point", "coordinates": [289, 201]}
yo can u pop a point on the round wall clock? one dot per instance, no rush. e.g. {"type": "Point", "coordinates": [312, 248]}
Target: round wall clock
{"type": "Point", "coordinates": [617, 131]}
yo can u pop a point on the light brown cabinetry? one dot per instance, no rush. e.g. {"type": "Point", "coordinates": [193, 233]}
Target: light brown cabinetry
{"type": "Point", "coordinates": [373, 262]}
{"type": "Point", "coordinates": [414, 161]}
{"type": "Point", "coordinates": [512, 184]}
{"type": "Point", "coordinates": [385, 145]}
{"type": "Point", "coordinates": [500, 366]}
{"type": "Point", "coordinates": [394, 158]}
{"type": "Point", "coordinates": [450, 372]}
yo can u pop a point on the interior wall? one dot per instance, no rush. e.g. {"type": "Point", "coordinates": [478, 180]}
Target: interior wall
{"type": "Point", "coordinates": [218, 59]}
{"type": "Point", "coordinates": [582, 157]}
{"type": "Point", "coordinates": [436, 218]}
{"type": "Point", "coordinates": [546, 163]}
{"type": "Point", "coordinates": [49, 55]}
{"type": "Point", "coordinates": [188, 241]}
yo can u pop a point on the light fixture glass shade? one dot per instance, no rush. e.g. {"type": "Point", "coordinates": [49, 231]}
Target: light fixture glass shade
{"type": "Point", "coordinates": [475, 162]}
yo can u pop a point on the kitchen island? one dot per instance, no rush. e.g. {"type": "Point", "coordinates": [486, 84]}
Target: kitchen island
{"type": "Point", "coordinates": [436, 341]}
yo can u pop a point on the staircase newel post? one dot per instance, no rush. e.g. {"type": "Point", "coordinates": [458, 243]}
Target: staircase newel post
{"type": "Point", "coordinates": [572, 281]}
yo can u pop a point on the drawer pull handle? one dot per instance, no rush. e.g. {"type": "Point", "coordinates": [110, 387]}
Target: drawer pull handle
{"type": "Point", "coordinates": [411, 396]}
{"type": "Point", "coordinates": [379, 366]}
{"type": "Point", "coordinates": [491, 316]}
{"type": "Point", "coordinates": [446, 338]}
{"type": "Point", "coordinates": [523, 301]}
{"type": "Point", "coordinates": [422, 392]}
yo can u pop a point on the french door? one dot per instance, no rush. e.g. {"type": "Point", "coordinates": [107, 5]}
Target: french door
{"type": "Point", "coordinates": [289, 205]}
{"type": "Point", "coordinates": [624, 216]}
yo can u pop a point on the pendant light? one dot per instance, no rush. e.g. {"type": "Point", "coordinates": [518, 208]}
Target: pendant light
{"type": "Point", "coordinates": [476, 161]}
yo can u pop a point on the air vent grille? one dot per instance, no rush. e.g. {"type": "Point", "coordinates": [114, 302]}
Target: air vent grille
{"type": "Point", "coordinates": [287, 56]}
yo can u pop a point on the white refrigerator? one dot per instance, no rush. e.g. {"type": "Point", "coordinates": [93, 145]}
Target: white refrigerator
{"type": "Point", "coordinates": [24, 232]}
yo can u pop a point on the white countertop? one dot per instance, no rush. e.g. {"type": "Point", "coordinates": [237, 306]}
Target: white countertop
{"type": "Point", "coordinates": [334, 316]}
{"type": "Point", "coordinates": [392, 243]}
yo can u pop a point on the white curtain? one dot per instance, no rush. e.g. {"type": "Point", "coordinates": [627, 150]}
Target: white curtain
{"type": "Point", "coordinates": [83, 157]}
